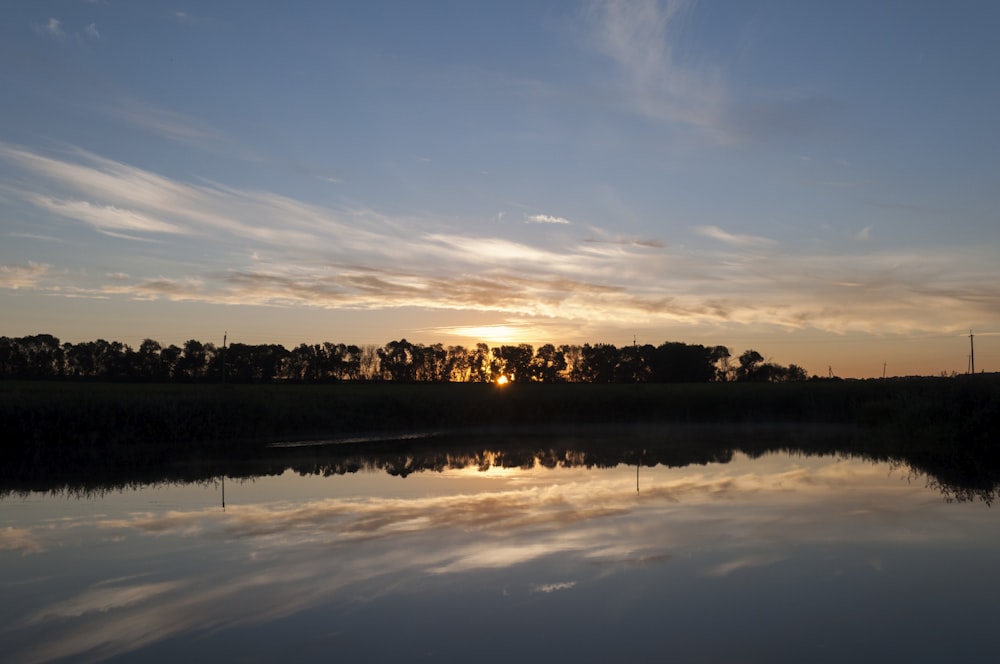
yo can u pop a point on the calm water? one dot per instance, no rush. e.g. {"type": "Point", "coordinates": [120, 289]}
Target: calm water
{"type": "Point", "coordinates": [783, 558]}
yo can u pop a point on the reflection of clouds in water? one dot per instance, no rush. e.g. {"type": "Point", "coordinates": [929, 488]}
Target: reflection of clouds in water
{"type": "Point", "coordinates": [365, 519]}
{"type": "Point", "coordinates": [552, 587]}
{"type": "Point", "coordinates": [728, 568]}
{"type": "Point", "coordinates": [100, 600]}
{"type": "Point", "coordinates": [475, 556]}
{"type": "Point", "coordinates": [20, 539]}
{"type": "Point", "coordinates": [264, 562]}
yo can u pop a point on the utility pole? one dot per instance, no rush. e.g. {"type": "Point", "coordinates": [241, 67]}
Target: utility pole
{"type": "Point", "coordinates": [224, 335]}
{"type": "Point", "coordinates": [883, 370]}
{"type": "Point", "coordinates": [972, 354]}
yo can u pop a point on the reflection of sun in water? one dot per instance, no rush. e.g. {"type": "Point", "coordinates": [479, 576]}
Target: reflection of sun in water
{"type": "Point", "coordinates": [502, 380]}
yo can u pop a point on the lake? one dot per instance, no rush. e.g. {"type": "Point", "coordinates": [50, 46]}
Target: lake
{"type": "Point", "coordinates": [491, 555]}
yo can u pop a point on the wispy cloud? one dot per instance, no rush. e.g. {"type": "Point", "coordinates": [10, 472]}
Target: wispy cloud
{"type": "Point", "coordinates": [628, 241]}
{"type": "Point", "coordinates": [261, 248]}
{"type": "Point", "coordinates": [545, 219]}
{"type": "Point", "coordinates": [107, 218]}
{"type": "Point", "coordinates": [22, 276]}
{"type": "Point", "coordinates": [53, 28]}
{"type": "Point", "coordinates": [662, 82]}
{"type": "Point", "coordinates": [716, 233]}
{"type": "Point", "coordinates": [174, 126]}
{"type": "Point", "coordinates": [640, 36]}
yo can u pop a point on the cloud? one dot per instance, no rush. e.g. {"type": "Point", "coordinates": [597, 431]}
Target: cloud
{"type": "Point", "coordinates": [261, 248]}
{"type": "Point", "coordinates": [667, 84]}
{"type": "Point", "coordinates": [126, 196]}
{"type": "Point", "coordinates": [22, 276]}
{"type": "Point", "coordinates": [545, 219]}
{"type": "Point", "coordinates": [53, 28]}
{"type": "Point", "coordinates": [628, 241]}
{"type": "Point", "coordinates": [864, 234]}
{"type": "Point", "coordinates": [717, 233]}
{"type": "Point", "coordinates": [640, 36]}
{"type": "Point", "coordinates": [173, 126]}
{"type": "Point", "coordinates": [107, 218]}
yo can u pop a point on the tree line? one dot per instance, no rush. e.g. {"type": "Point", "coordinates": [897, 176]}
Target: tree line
{"type": "Point", "coordinates": [42, 356]}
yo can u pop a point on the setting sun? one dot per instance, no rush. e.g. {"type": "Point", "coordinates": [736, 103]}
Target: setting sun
{"type": "Point", "coordinates": [502, 381]}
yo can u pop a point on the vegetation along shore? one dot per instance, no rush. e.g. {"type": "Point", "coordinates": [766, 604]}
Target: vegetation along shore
{"type": "Point", "coordinates": [157, 406]}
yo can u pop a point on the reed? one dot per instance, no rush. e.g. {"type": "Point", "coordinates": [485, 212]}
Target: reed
{"type": "Point", "coordinates": [108, 415]}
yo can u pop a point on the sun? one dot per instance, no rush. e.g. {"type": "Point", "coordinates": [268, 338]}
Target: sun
{"type": "Point", "coordinates": [502, 380]}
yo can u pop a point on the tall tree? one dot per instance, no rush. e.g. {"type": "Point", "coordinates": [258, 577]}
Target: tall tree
{"type": "Point", "coordinates": [547, 365]}
{"type": "Point", "coordinates": [598, 363]}
{"type": "Point", "coordinates": [514, 361]}
{"type": "Point", "coordinates": [396, 360]}
{"type": "Point", "coordinates": [749, 368]}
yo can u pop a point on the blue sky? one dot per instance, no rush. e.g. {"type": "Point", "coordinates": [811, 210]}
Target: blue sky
{"type": "Point", "coordinates": [818, 181]}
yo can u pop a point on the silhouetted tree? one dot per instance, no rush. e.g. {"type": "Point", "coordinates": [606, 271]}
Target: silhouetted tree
{"type": "Point", "coordinates": [749, 368]}
{"type": "Point", "coordinates": [431, 363]}
{"type": "Point", "coordinates": [481, 367]}
{"type": "Point", "coordinates": [547, 365]}
{"type": "Point", "coordinates": [193, 362]}
{"type": "Point", "coordinates": [306, 362]}
{"type": "Point", "coordinates": [458, 364]}
{"type": "Point", "coordinates": [598, 363]}
{"type": "Point", "coordinates": [723, 368]}
{"type": "Point", "coordinates": [573, 355]}
{"type": "Point", "coordinates": [345, 361]}
{"type": "Point", "coordinates": [36, 356]}
{"type": "Point", "coordinates": [514, 361]}
{"type": "Point", "coordinates": [368, 362]}
{"type": "Point", "coordinates": [107, 360]}
{"type": "Point", "coordinates": [675, 362]}
{"type": "Point", "coordinates": [169, 357]}
{"type": "Point", "coordinates": [633, 364]}
{"type": "Point", "coordinates": [396, 361]}
{"type": "Point", "coordinates": [42, 356]}
{"type": "Point", "coordinates": [147, 362]}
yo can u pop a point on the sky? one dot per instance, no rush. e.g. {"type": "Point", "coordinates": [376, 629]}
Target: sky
{"type": "Point", "coordinates": [816, 181]}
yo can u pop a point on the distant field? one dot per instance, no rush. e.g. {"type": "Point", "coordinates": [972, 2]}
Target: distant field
{"type": "Point", "coordinates": [100, 414]}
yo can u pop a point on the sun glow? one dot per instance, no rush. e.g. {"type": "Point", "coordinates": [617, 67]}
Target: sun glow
{"type": "Point", "coordinates": [502, 381]}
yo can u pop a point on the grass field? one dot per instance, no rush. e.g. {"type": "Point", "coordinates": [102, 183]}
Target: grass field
{"type": "Point", "coordinates": [70, 413]}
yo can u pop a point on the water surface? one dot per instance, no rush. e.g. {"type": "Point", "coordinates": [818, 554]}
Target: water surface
{"type": "Point", "coordinates": [785, 557]}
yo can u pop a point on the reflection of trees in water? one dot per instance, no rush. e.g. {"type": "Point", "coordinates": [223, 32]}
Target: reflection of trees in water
{"type": "Point", "coordinates": [962, 473]}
